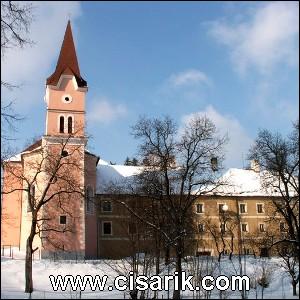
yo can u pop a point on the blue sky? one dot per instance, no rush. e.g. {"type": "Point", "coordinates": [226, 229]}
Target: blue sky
{"type": "Point", "coordinates": [235, 62]}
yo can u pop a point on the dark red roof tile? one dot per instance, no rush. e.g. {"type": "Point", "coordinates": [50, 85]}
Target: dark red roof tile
{"type": "Point", "coordinates": [33, 146]}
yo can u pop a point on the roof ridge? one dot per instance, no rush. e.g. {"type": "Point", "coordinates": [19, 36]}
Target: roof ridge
{"type": "Point", "coordinates": [31, 147]}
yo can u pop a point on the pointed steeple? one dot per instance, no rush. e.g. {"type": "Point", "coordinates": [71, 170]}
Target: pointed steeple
{"type": "Point", "coordinates": [67, 61]}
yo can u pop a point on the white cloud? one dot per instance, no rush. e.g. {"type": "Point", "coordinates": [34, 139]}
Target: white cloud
{"type": "Point", "coordinates": [188, 86]}
{"type": "Point", "coordinates": [239, 141]}
{"type": "Point", "coordinates": [103, 111]}
{"type": "Point", "coordinates": [188, 77]}
{"type": "Point", "coordinates": [29, 67]}
{"type": "Point", "coordinates": [268, 37]}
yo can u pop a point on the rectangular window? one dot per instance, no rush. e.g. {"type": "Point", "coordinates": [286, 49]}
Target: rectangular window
{"type": "Point", "coordinates": [246, 251]}
{"type": "Point", "coordinates": [201, 228]}
{"type": "Point", "coordinates": [62, 220]}
{"type": "Point", "coordinates": [264, 252]}
{"type": "Point", "coordinates": [107, 228]}
{"type": "Point", "coordinates": [260, 208]}
{"type": "Point", "coordinates": [203, 253]}
{"type": "Point", "coordinates": [244, 227]}
{"type": "Point", "coordinates": [262, 227]}
{"type": "Point", "coordinates": [243, 208]}
{"type": "Point", "coordinates": [106, 206]}
{"type": "Point", "coordinates": [221, 208]}
{"type": "Point", "coordinates": [282, 227]}
{"type": "Point", "coordinates": [132, 228]}
{"type": "Point", "coordinates": [200, 207]}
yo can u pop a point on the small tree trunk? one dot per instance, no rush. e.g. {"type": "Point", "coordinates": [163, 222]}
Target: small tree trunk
{"type": "Point", "coordinates": [28, 267]}
{"type": "Point", "coordinates": [167, 255]}
{"type": "Point", "coordinates": [219, 257]}
{"type": "Point", "coordinates": [157, 262]}
{"type": "Point", "coordinates": [294, 288]}
{"type": "Point", "coordinates": [157, 254]}
{"type": "Point", "coordinates": [29, 252]}
{"type": "Point", "coordinates": [176, 293]}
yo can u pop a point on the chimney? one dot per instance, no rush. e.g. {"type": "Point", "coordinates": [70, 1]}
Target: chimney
{"type": "Point", "coordinates": [254, 165]}
{"type": "Point", "coordinates": [214, 163]}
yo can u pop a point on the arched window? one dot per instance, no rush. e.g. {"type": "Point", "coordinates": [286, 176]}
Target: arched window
{"type": "Point", "coordinates": [61, 124]}
{"type": "Point", "coordinates": [70, 124]}
{"type": "Point", "coordinates": [89, 199]}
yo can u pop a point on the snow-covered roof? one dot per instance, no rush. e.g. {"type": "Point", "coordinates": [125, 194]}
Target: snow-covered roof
{"type": "Point", "coordinates": [89, 152]}
{"type": "Point", "coordinates": [234, 182]}
{"type": "Point", "coordinates": [114, 174]}
{"type": "Point", "coordinates": [248, 182]}
{"type": "Point", "coordinates": [18, 157]}
{"type": "Point", "coordinates": [241, 182]}
{"type": "Point", "coordinates": [15, 158]}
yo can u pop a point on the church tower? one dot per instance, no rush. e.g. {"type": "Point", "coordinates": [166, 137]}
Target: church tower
{"type": "Point", "coordinates": [58, 169]}
{"type": "Point", "coordinates": [65, 93]}
{"type": "Point", "coordinates": [65, 125]}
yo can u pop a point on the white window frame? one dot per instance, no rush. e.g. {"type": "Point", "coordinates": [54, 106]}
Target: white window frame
{"type": "Point", "coordinates": [59, 220]}
{"type": "Point", "coordinates": [246, 208]}
{"type": "Point", "coordinates": [218, 205]}
{"type": "Point", "coordinates": [199, 227]}
{"type": "Point", "coordinates": [111, 205]}
{"type": "Point", "coordinates": [264, 225]}
{"type": "Point", "coordinates": [263, 208]}
{"type": "Point", "coordinates": [111, 228]}
{"type": "Point", "coordinates": [247, 227]}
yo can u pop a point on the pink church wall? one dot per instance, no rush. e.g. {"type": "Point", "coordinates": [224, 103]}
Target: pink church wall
{"type": "Point", "coordinates": [11, 205]}
{"type": "Point", "coordinates": [57, 106]}
{"type": "Point", "coordinates": [72, 241]}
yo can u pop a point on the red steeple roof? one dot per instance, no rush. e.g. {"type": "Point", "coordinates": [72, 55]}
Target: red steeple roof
{"type": "Point", "coordinates": [67, 61]}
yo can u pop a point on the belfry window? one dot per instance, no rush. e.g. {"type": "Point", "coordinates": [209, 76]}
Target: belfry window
{"type": "Point", "coordinates": [70, 124]}
{"type": "Point", "coordinates": [61, 124]}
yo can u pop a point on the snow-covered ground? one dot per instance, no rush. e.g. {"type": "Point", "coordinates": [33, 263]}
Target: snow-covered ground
{"type": "Point", "coordinates": [13, 279]}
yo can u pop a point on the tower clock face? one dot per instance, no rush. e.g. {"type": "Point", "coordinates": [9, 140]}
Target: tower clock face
{"type": "Point", "coordinates": [67, 99]}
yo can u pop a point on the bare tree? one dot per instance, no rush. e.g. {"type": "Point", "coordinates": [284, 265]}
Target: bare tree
{"type": "Point", "coordinates": [16, 19]}
{"type": "Point", "coordinates": [49, 183]}
{"type": "Point", "coordinates": [287, 252]}
{"type": "Point", "coordinates": [278, 156]}
{"type": "Point", "coordinates": [141, 260]}
{"type": "Point", "coordinates": [178, 171]}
